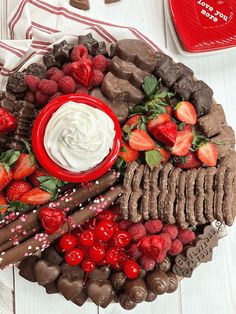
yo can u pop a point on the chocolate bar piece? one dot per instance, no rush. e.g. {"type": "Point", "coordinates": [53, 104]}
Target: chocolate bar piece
{"type": "Point", "coordinates": [16, 85]}
{"type": "Point", "coordinates": [80, 4]}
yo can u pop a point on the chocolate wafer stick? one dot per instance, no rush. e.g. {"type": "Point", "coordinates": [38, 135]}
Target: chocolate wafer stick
{"type": "Point", "coordinates": [69, 201]}
{"type": "Point", "coordinates": [41, 240]}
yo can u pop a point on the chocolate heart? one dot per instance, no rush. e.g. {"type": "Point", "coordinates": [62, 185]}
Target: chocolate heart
{"type": "Point", "coordinates": [70, 287]}
{"type": "Point", "coordinates": [82, 71]}
{"type": "Point", "coordinates": [100, 291]}
{"type": "Point", "coordinates": [46, 272]}
{"type": "Point", "coordinates": [100, 273]}
{"type": "Point", "coordinates": [26, 268]}
{"type": "Point", "coordinates": [51, 287]}
{"type": "Point", "coordinates": [72, 271]}
{"type": "Point", "coordinates": [51, 255]}
{"type": "Point", "coordinates": [204, 25]}
{"type": "Point", "coordinates": [51, 219]}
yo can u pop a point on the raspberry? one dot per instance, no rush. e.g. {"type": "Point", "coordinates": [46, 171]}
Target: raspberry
{"type": "Point", "coordinates": [176, 247]}
{"type": "Point", "coordinates": [48, 87]}
{"type": "Point", "coordinates": [78, 52]}
{"type": "Point", "coordinates": [100, 63]}
{"type": "Point", "coordinates": [54, 96]}
{"type": "Point", "coordinates": [97, 78]}
{"type": "Point", "coordinates": [165, 237]}
{"type": "Point", "coordinates": [57, 76]}
{"type": "Point", "coordinates": [172, 230]}
{"type": "Point", "coordinates": [160, 258]}
{"type": "Point", "coordinates": [186, 236]}
{"type": "Point", "coordinates": [41, 98]}
{"type": "Point", "coordinates": [124, 224]}
{"type": "Point", "coordinates": [66, 68]}
{"type": "Point", "coordinates": [81, 90]}
{"type": "Point", "coordinates": [134, 252]}
{"type": "Point", "coordinates": [32, 82]}
{"type": "Point", "coordinates": [147, 263]}
{"type": "Point", "coordinates": [153, 226]}
{"type": "Point", "coordinates": [153, 246]}
{"type": "Point", "coordinates": [51, 72]}
{"type": "Point", "coordinates": [137, 231]}
{"type": "Point", "coordinates": [29, 97]}
{"type": "Point", "coordinates": [66, 85]}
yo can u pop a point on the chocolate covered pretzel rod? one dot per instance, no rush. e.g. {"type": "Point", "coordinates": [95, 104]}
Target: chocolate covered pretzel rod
{"type": "Point", "coordinates": [42, 240]}
{"type": "Point", "coordinates": [69, 201]}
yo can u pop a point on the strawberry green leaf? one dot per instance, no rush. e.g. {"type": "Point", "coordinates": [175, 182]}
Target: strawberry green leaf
{"type": "Point", "coordinates": [9, 157]}
{"type": "Point", "coordinates": [150, 84]}
{"type": "Point", "coordinates": [123, 149]}
{"type": "Point", "coordinates": [138, 110]}
{"type": "Point", "coordinates": [18, 205]}
{"type": "Point", "coordinates": [153, 158]}
{"type": "Point", "coordinates": [181, 126]}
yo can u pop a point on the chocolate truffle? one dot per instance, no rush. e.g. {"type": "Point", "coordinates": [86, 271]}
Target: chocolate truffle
{"type": "Point", "coordinates": [173, 282]}
{"type": "Point", "coordinates": [136, 290]}
{"type": "Point", "coordinates": [118, 280]}
{"type": "Point", "coordinates": [125, 302]}
{"type": "Point", "coordinates": [165, 265]}
{"type": "Point", "coordinates": [157, 282]}
{"type": "Point", "coordinates": [151, 296]}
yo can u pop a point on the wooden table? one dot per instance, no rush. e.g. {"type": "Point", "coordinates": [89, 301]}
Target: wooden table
{"type": "Point", "coordinates": [212, 289]}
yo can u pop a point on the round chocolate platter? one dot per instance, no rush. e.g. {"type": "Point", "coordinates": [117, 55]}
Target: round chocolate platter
{"type": "Point", "coordinates": [133, 232]}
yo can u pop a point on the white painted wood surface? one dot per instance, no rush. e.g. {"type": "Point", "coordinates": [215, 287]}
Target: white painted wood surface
{"type": "Point", "coordinates": [212, 289]}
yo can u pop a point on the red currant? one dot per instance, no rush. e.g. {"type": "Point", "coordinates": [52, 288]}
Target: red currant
{"type": "Point", "coordinates": [122, 238]}
{"type": "Point", "coordinates": [74, 257]}
{"type": "Point", "coordinates": [106, 215]}
{"type": "Point", "coordinates": [104, 230]}
{"type": "Point", "coordinates": [86, 238]}
{"type": "Point", "coordinates": [131, 269]}
{"type": "Point", "coordinates": [88, 265]}
{"type": "Point", "coordinates": [97, 252]}
{"type": "Point", "coordinates": [67, 242]}
{"type": "Point", "coordinates": [112, 256]}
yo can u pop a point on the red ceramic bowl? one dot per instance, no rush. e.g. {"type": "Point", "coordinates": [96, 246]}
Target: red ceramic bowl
{"type": "Point", "coordinates": [48, 164]}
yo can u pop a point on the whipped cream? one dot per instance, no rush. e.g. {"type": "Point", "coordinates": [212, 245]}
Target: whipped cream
{"type": "Point", "coordinates": [78, 137]}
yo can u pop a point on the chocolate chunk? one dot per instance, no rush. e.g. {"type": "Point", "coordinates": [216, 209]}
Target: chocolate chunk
{"type": "Point", "coordinates": [125, 302]}
{"type": "Point", "coordinates": [114, 87]}
{"type": "Point", "coordinates": [80, 4]}
{"type": "Point", "coordinates": [229, 183]}
{"type": "Point", "coordinates": [50, 60]}
{"type": "Point", "coordinates": [58, 46]}
{"type": "Point", "coordinates": [209, 193]}
{"type": "Point", "coordinates": [154, 192]}
{"type": "Point", "coordinates": [136, 194]}
{"type": "Point", "coordinates": [118, 105]}
{"type": "Point", "coordinates": [219, 193]}
{"type": "Point", "coordinates": [128, 71]}
{"type": "Point", "coordinates": [146, 193]}
{"type": "Point", "coordinates": [70, 287]}
{"type": "Point", "coordinates": [183, 266]}
{"type": "Point", "coordinates": [45, 272]}
{"type": "Point", "coordinates": [80, 299]}
{"type": "Point", "coordinates": [165, 265]}
{"type": "Point", "coordinates": [36, 69]}
{"type": "Point", "coordinates": [173, 282]}
{"type": "Point", "coordinates": [26, 268]}
{"type": "Point", "coordinates": [211, 123]}
{"type": "Point", "coordinates": [163, 189]}
{"type": "Point", "coordinates": [99, 291]}
{"type": "Point", "coordinates": [51, 287]}
{"type": "Point", "coordinates": [157, 282]}
{"type": "Point", "coordinates": [124, 202]}
{"type": "Point", "coordinates": [8, 104]}
{"type": "Point", "coordinates": [100, 273]}
{"type": "Point", "coordinates": [151, 296]}
{"type": "Point", "coordinates": [89, 42]}
{"type": "Point", "coordinates": [62, 53]}
{"type": "Point", "coordinates": [184, 87]}
{"type": "Point", "coordinates": [200, 196]}
{"type": "Point", "coordinates": [136, 290]}
{"type": "Point", "coordinates": [190, 196]}
{"type": "Point", "coordinates": [138, 52]}
{"type": "Point", "coordinates": [16, 84]}
{"type": "Point", "coordinates": [230, 160]}
{"type": "Point", "coordinates": [201, 98]}
{"type": "Point", "coordinates": [225, 141]}
{"type": "Point", "coordinates": [72, 271]}
{"type": "Point", "coordinates": [118, 280]}
{"type": "Point", "coordinates": [181, 201]}
{"type": "Point", "coordinates": [102, 49]}
{"type": "Point", "coordinates": [162, 58]}
{"type": "Point", "coordinates": [52, 256]}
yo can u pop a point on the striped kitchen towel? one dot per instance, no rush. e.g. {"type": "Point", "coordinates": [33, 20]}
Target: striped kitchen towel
{"type": "Point", "coordinates": [35, 25]}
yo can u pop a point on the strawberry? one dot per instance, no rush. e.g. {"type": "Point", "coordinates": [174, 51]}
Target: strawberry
{"type": "Point", "coordinates": [16, 189]}
{"type": "Point", "coordinates": [34, 177]}
{"type": "Point", "coordinates": [183, 143]}
{"type": "Point", "coordinates": [165, 154]}
{"type": "Point", "coordinates": [133, 121]}
{"type": "Point", "coordinates": [127, 153]}
{"type": "Point", "coordinates": [36, 196]}
{"type": "Point", "coordinates": [8, 122]}
{"type": "Point", "coordinates": [169, 110]}
{"type": "Point", "coordinates": [187, 127]}
{"type": "Point", "coordinates": [3, 204]}
{"type": "Point", "coordinates": [7, 159]}
{"type": "Point", "coordinates": [141, 141]}
{"type": "Point", "coordinates": [191, 162]}
{"type": "Point", "coordinates": [24, 166]}
{"type": "Point", "coordinates": [166, 133]}
{"type": "Point", "coordinates": [5, 177]}
{"type": "Point", "coordinates": [162, 118]}
{"type": "Point", "coordinates": [184, 111]}
{"type": "Point", "coordinates": [208, 154]}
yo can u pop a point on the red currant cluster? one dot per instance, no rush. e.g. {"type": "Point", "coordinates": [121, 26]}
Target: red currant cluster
{"type": "Point", "coordinates": [100, 242]}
